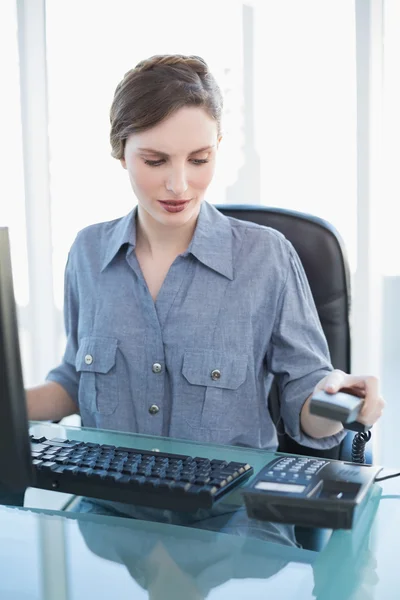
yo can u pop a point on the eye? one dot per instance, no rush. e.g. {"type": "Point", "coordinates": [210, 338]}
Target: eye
{"type": "Point", "coordinates": [199, 161]}
{"type": "Point", "coordinates": [154, 163]}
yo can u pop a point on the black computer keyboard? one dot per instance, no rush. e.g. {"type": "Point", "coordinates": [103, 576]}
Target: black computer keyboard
{"type": "Point", "coordinates": [143, 477]}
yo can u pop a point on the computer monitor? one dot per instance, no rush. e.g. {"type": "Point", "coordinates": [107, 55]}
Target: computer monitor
{"type": "Point", "coordinates": [16, 472]}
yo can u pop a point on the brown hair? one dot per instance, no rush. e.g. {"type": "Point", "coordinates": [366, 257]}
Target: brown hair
{"type": "Point", "coordinates": [157, 87]}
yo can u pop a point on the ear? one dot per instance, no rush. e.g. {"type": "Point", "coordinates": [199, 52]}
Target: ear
{"type": "Point", "coordinates": [123, 162]}
{"type": "Point", "coordinates": [218, 141]}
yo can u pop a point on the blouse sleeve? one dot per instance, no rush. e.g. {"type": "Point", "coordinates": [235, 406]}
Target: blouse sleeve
{"type": "Point", "coordinates": [65, 374]}
{"type": "Point", "coordinates": [298, 354]}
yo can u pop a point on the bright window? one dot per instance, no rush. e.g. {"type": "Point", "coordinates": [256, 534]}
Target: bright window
{"type": "Point", "coordinates": [290, 142]}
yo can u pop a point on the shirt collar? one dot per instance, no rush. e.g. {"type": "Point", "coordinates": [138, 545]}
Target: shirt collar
{"type": "Point", "coordinates": [212, 240]}
{"type": "Point", "coordinates": [211, 243]}
{"type": "Point", "coordinates": [124, 232]}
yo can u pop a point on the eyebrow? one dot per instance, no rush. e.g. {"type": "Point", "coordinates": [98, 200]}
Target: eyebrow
{"type": "Point", "coordinates": [152, 151]}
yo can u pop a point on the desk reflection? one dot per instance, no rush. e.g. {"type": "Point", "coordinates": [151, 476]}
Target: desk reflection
{"type": "Point", "coordinates": [181, 563]}
{"type": "Point", "coordinates": [66, 556]}
{"type": "Point", "coordinates": [185, 563]}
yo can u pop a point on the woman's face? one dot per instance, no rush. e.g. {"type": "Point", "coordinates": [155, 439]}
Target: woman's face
{"type": "Point", "coordinates": [171, 165]}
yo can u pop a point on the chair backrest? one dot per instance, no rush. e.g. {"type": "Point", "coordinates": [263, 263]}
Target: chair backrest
{"type": "Point", "coordinates": [323, 256]}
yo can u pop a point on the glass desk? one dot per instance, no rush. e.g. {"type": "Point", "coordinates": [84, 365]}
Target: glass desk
{"type": "Point", "coordinates": [71, 556]}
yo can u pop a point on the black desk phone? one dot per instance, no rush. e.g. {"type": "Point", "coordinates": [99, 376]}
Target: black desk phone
{"type": "Point", "coordinates": [312, 491]}
{"type": "Point", "coordinates": [309, 491]}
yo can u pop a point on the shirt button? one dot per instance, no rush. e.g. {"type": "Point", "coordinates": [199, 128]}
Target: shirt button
{"type": "Point", "coordinates": [157, 368]}
{"type": "Point", "coordinates": [215, 374]}
{"type": "Point", "coordinates": [154, 409]}
{"type": "Point", "coordinates": [88, 359]}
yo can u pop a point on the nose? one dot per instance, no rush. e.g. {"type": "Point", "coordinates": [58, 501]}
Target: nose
{"type": "Point", "coordinates": [177, 181]}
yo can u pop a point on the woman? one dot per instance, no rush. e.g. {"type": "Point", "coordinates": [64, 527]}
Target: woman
{"type": "Point", "coordinates": [176, 316]}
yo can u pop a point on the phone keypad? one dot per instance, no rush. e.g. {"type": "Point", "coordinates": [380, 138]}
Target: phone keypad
{"type": "Point", "coordinates": [294, 469]}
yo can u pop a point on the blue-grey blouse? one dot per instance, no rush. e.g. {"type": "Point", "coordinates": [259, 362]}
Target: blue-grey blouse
{"type": "Point", "coordinates": [234, 310]}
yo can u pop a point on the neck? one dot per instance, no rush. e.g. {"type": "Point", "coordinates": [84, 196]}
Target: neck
{"type": "Point", "coordinates": [156, 238]}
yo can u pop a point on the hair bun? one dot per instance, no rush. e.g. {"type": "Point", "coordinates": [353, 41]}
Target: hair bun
{"type": "Point", "coordinates": [196, 63]}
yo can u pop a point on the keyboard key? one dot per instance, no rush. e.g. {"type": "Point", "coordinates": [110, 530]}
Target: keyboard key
{"type": "Point", "coordinates": [145, 471]}
{"type": "Point", "coordinates": [208, 490]}
{"type": "Point", "coordinates": [99, 473]}
{"type": "Point", "coordinates": [172, 476]}
{"type": "Point", "coordinates": [137, 480]}
{"type": "Point", "coordinates": [225, 473]}
{"type": "Point", "coordinates": [112, 476]}
{"type": "Point", "coordinates": [88, 463]}
{"type": "Point", "coordinates": [202, 480]}
{"type": "Point", "coordinates": [218, 463]}
{"type": "Point", "coordinates": [87, 471]}
{"type": "Point", "coordinates": [165, 485]}
{"type": "Point", "coordinates": [58, 469]}
{"type": "Point", "coordinates": [180, 486]}
{"type": "Point", "coordinates": [202, 461]}
{"type": "Point", "coordinates": [103, 463]}
{"type": "Point", "coordinates": [218, 482]}
{"type": "Point", "coordinates": [37, 440]}
{"type": "Point", "coordinates": [187, 478]}
{"type": "Point", "coordinates": [122, 478]}
{"type": "Point", "coordinates": [48, 464]}
{"type": "Point", "coordinates": [234, 466]}
{"type": "Point", "coordinates": [62, 460]}
{"type": "Point", "coordinates": [39, 447]}
{"type": "Point", "coordinates": [66, 469]}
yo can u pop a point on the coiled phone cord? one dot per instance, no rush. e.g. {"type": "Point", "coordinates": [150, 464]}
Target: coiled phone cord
{"type": "Point", "coordinates": [358, 456]}
{"type": "Point", "coordinates": [358, 446]}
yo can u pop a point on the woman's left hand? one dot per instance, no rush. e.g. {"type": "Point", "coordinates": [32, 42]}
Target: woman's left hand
{"type": "Point", "coordinates": [363, 386]}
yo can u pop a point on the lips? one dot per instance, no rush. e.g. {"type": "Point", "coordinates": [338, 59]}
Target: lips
{"type": "Point", "coordinates": [174, 206]}
{"type": "Point", "coordinates": [174, 202]}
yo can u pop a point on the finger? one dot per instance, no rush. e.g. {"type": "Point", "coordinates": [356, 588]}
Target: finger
{"type": "Point", "coordinates": [357, 381]}
{"type": "Point", "coordinates": [356, 390]}
{"type": "Point", "coordinates": [334, 381]}
{"type": "Point", "coordinates": [370, 416]}
{"type": "Point", "coordinates": [372, 397]}
{"type": "Point", "coordinates": [373, 416]}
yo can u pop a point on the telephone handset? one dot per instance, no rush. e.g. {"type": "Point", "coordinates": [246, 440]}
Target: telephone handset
{"type": "Point", "coordinates": [342, 406]}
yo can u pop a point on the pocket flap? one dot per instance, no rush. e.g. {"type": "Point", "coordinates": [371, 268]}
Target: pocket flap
{"type": "Point", "coordinates": [215, 369]}
{"type": "Point", "coordinates": [96, 354]}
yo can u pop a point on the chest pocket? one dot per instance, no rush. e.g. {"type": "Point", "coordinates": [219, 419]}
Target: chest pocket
{"type": "Point", "coordinates": [220, 375]}
{"type": "Point", "coordinates": [98, 384]}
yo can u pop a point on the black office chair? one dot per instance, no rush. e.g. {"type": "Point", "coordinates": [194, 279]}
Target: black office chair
{"type": "Point", "coordinates": [324, 259]}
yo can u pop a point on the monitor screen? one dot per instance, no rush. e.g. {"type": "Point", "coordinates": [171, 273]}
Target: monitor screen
{"type": "Point", "coordinates": [16, 472]}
